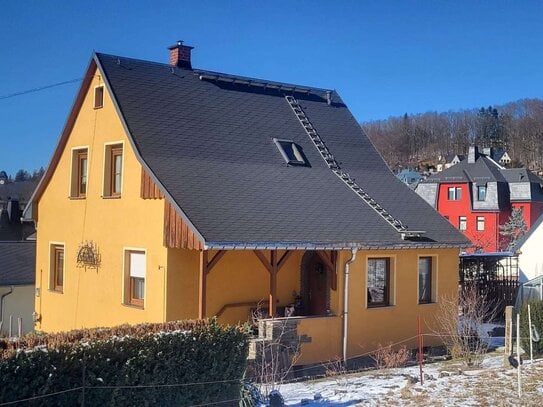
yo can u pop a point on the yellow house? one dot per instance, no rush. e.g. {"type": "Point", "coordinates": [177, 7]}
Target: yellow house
{"type": "Point", "coordinates": [180, 193]}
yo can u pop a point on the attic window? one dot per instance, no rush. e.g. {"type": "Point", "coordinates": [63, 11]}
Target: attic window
{"type": "Point", "coordinates": [292, 153]}
{"type": "Point", "coordinates": [98, 97]}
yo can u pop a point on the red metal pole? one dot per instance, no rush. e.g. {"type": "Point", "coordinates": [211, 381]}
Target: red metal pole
{"type": "Point", "coordinates": [420, 351]}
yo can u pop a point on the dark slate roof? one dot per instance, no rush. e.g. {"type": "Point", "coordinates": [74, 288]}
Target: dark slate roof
{"type": "Point", "coordinates": [17, 263]}
{"type": "Point", "coordinates": [209, 146]}
{"type": "Point", "coordinates": [483, 170]}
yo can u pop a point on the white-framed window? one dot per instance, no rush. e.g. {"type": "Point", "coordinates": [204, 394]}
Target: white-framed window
{"type": "Point", "coordinates": [480, 223]}
{"type": "Point", "coordinates": [135, 270]}
{"type": "Point", "coordinates": [454, 193]}
{"type": "Point", "coordinates": [462, 223]}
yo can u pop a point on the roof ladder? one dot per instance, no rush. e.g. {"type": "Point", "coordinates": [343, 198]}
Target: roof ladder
{"type": "Point", "coordinates": [343, 175]}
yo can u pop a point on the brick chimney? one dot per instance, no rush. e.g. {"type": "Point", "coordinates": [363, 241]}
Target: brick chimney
{"type": "Point", "coordinates": [180, 55]}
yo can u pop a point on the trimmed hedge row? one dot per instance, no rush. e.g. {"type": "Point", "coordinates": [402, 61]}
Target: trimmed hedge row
{"type": "Point", "coordinates": [126, 366]}
{"type": "Point", "coordinates": [536, 313]}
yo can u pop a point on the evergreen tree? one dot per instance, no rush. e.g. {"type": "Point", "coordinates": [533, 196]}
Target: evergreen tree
{"type": "Point", "coordinates": [514, 228]}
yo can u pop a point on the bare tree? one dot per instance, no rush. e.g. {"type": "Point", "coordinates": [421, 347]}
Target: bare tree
{"type": "Point", "coordinates": [460, 323]}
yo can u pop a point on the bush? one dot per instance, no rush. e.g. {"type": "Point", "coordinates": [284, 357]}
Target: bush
{"type": "Point", "coordinates": [536, 313]}
{"type": "Point", "coordinates": [141, 365]}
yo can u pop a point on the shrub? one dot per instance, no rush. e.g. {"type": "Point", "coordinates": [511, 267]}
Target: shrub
{"type": "Point", "coordinates": [536, 313]}
{"type": "Point", "coordinates": [141, 365]}
{"type": "Point", "coordinates": [387, 358]}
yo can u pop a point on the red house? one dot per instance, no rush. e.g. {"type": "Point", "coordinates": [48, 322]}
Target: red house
{"type": "Point", "coordinates": [477, 195]}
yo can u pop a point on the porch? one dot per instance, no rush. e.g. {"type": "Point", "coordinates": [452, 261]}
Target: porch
{"type": "Point", "coordinates": [298, 283]}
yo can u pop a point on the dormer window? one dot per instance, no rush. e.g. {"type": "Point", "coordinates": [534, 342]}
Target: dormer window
{"type": "Point", "coordinates": [292, 153]}
{"type": "Point", "coordinates": [98, 97]}
{"type": "Point", "coordinates": [481, 192]}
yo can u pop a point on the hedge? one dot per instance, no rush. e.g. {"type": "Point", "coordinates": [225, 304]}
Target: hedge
{"type": "Point", "coordinates": [174, 364]}
{"type": "Point", "coordinates": [536, 314]}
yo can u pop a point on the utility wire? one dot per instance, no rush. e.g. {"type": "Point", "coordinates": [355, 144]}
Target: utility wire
{"type": "Point", "coordinates": [24, 92]}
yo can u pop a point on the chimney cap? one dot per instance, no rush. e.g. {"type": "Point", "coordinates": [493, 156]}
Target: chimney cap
{"type": "Point", "coordinates": [179, 44]}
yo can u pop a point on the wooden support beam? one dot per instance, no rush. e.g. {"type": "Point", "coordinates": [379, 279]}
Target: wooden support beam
{"type": "Point", "coordinates": [202, 286]}
{"type": "Point", "coordinates": [283, 259]}
{"type": "Point", "coordinates": [262, 257]}
{"type": "Point", "coordinates": [273, 265]}
{"type": "Point", "coordinates": [215, 259]}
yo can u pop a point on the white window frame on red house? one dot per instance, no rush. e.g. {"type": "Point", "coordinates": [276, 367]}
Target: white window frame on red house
{"type": "Point", "coordinates": [454, 194]}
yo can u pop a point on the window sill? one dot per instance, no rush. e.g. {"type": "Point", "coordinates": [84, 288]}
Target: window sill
{"type": "Point", "coordinates": [427, 303]}
{"type": "Point", "coordinates": [111, 197]}
{"type": "Point", "coordinates": [56, 291]}
{"type": "Point", "coordinates": [77, 198]}
{"type": "Point", "coordinates": [379, 306]}
{"type": "Point", "coordinates": [133, 306]}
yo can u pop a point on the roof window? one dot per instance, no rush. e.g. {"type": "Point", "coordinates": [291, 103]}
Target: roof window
{"type": "Point", "coordinates": [292, 153]}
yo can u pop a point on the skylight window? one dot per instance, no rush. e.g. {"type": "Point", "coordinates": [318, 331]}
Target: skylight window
{"type": "Point", "coordinates": [291, 152]}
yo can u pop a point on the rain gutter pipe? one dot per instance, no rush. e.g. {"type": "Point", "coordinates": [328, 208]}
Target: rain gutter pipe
{"type": "Point", "coordinates": [2, 303]}
{"type": "Point", "coordinates": [346, 303]}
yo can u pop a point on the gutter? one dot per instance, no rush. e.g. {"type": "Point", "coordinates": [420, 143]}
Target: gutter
{"type": "Point", "coordinates": [2, 305]}
{"type": "Point", "coordinates": [346, 304]}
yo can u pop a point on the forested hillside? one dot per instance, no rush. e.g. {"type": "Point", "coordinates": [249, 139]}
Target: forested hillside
{"type": "Point", "coordinates": [412, 139]}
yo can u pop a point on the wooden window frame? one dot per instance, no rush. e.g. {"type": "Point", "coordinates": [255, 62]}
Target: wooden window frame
{"type": "Point", "coordinates": [388, 283]}
{"type": "Point", "coordinates": [111, 152]}
{"type": "Point", "coordinates": [130, 281]}
{"type": "Point", "coordinates": [428, 300]}
{"type": "Point", "coordinates": [56, 267]}
{"type": "Point", "coordinates": [116, 151]}
{"type": "Point", "coordinates": [82, 155]}
{"type": "Point", "coordinates": [99, 101]}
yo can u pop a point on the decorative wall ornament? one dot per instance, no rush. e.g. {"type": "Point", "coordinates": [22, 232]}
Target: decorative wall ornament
{"type": "Point", "coordinates": [88, 255]}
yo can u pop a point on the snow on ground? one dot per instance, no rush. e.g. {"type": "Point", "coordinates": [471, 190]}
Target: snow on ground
{"type": "Point", "coordinates": [446, 383]}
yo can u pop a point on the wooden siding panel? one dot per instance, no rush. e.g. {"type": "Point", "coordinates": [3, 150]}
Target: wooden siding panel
{"type": "Point", "coordinates": [177, 234]}
{"type": "Point", "coordinates": [149, 190]}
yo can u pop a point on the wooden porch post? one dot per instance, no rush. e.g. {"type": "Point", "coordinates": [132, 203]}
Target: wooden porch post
{"type": "Point", "coordinates": [273, 282]}
{"type": "Point", "coordinates": [205, 267]}
{"type": "Point", "coordinates": [202, 285]}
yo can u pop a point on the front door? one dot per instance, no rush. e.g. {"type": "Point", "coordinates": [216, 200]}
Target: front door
{"type": "Point", "coordinates": [315, 287]}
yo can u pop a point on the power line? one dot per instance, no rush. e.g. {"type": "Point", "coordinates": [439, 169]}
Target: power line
{"type": "Point", "coordinates": [24, 92]}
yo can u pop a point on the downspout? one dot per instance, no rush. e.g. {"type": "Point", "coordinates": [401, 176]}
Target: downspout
{"type": "Point", "coordinates": [2, 304]}
{"type": "Point", "coordinates": [346, 303]}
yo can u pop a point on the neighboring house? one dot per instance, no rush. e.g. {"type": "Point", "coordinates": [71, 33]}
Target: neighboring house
{"type": "Point", "coordinates": [530, 254]}
{"type": "Point", "coordinates": [17, 276]}
{"type": "Point", "coordinates": [448, 161]}
{"type": "Point", "coordinates": [477, 196]}
{"type": "Point", "coordinates": [501, 157]}
{"type": "Point", "coordinates": [180, 193]}
{"type": "Point", "coordinates": [409, 176]}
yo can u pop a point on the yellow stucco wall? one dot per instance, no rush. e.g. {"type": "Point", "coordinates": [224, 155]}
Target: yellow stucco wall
{"type": "Point", "coordinates": [369, 327]}
{"type": "Point", "coordinates": [94, 297]}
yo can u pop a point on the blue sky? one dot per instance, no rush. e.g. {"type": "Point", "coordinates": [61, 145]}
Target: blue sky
{"type": "Point", "coordinates": [385, 58]}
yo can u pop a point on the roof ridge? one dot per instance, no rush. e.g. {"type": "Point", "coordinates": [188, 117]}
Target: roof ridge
{"type": "Point", "coordinates": [220, 74]}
